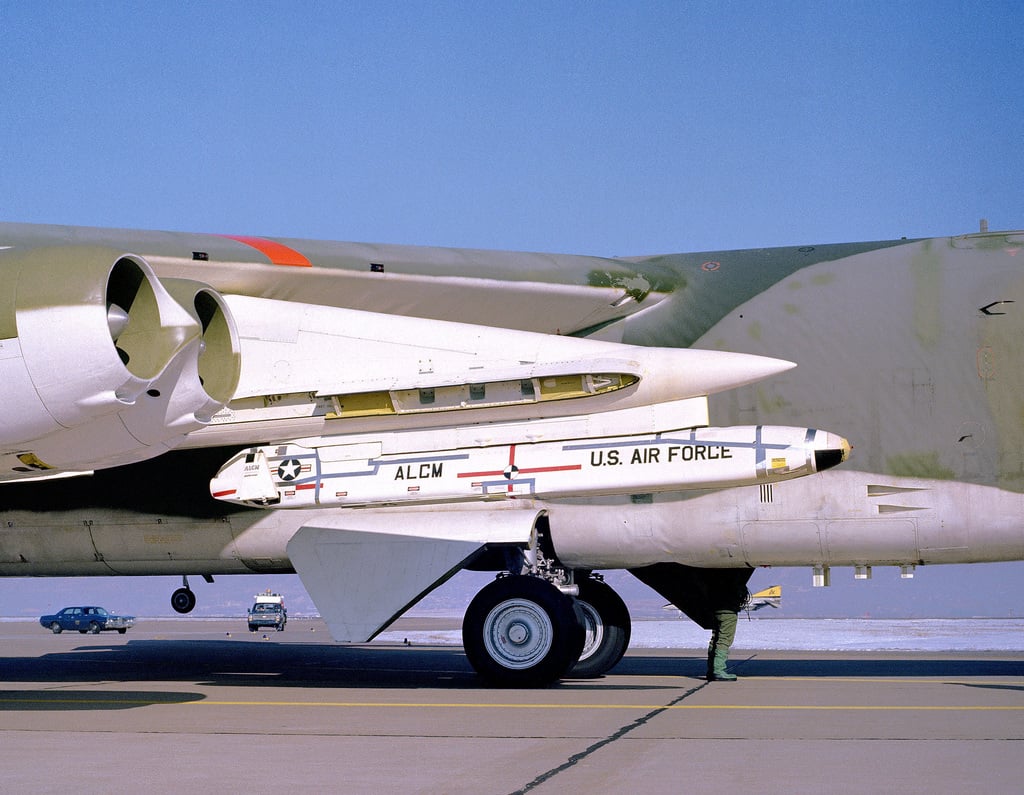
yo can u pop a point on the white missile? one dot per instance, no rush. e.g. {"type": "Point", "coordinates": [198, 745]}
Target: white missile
{"type": "Point", "coordinates": [309, 371]}
{"type": "Point", "coordinates": [298, 476]}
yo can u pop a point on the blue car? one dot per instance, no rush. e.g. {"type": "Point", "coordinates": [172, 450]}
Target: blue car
{"type": "Point", "coordinates": [86, 619]}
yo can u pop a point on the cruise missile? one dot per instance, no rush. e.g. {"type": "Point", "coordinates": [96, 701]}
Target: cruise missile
{"type": "Point", "coordinates": [313, 371]}
{"type": "Point", "coordinates": [298, 476]}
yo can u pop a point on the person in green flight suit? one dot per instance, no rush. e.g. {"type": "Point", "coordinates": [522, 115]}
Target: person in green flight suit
{"type": "Point", "coordinates": [711, 598]}
{"type": "Point", "coordinates": [727, 603]}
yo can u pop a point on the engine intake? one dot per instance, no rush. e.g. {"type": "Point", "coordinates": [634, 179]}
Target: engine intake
{"type": "Point", "coordinates": [108, 365]}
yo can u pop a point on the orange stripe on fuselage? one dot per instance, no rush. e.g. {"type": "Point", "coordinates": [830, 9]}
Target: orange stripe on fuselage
{"type": "Point", "coordinates": [278, 254]}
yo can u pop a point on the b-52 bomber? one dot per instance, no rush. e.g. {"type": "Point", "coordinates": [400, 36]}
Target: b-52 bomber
{"type": "Point", "coordinates": [377, 418]}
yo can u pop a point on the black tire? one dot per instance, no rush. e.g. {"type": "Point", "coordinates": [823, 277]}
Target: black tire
{"type": "Point", "coordinates": [607, 628]}
{"type": "Point", "coordinates": [522, 632]}
{"type": "Point", "coordinates": [121, 631]}
{"type": "Point", "coordinates": [94, 628]}
{"type": "Point", "coordinates": [183, 600]}
{"type": "Point", "coordinates": [56, 628]}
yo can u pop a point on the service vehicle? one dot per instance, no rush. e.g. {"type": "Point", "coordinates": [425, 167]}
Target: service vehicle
{"type": "Point", "coordinates": [268, 611]}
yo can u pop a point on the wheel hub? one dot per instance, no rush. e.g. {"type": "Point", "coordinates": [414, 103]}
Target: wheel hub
{"type": "Point", "coordinates": [518, 633]}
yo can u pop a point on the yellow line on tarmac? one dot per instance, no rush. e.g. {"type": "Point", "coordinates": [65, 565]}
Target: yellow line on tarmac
{"type": "Point", "coordinates": [446, 705]}
{"type": "Point", "coordinates": [424, 705]}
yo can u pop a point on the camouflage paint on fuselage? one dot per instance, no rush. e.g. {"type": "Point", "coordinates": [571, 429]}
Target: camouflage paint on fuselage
{"type": "Point", "coordinates": [911, 349]}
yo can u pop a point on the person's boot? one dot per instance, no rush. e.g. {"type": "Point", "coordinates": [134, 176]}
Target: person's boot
{"type": "Point", "coordinates": [718, 672]}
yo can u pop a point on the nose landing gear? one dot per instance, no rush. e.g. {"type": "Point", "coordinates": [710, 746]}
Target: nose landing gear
{"type": "Point", "coordinates": [183, 600]}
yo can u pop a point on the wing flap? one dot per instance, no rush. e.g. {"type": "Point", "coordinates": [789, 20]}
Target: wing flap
{"type": "Point", "coordinates": [363, 571]}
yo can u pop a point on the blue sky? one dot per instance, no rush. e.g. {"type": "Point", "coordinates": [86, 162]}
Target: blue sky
{"type": "Point", "coordinates": [590, 127]}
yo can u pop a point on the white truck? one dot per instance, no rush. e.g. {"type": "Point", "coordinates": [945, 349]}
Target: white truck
{"type": "Point", "coordinates": [268, 610]}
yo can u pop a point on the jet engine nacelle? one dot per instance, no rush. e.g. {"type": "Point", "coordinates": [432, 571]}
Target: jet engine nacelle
{"type": "Point", "coordinates": [101, 363]}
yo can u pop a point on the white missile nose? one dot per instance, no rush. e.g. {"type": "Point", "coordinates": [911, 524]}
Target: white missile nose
{"type": "Point", "coordinates": [706, 372]}
{"type": "Point", "coordinates": [836, 450]}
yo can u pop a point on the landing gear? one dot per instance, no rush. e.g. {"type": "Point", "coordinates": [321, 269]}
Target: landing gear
{"type": "Point", "coordinates": [183, 600]}
{"type": "Point", "coordinates": [606, 621]}
{"type": "Point", "coordinates": [521, 631]}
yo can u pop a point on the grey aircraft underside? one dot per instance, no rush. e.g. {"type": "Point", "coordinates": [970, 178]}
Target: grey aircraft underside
{"type": "Point", "coordinates": [204, 405]}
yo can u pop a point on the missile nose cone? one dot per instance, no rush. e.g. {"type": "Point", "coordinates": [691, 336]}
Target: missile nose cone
{"type": "Point", "coordinates": [838, 450]}
{"type": "Point", "coordinates": [709, 372]}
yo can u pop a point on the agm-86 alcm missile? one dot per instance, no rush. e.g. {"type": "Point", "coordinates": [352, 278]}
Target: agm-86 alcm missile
{"type": "Point", "coordinates": [298, 476]}
{"type": "Point", "coordinates": [313, 371]}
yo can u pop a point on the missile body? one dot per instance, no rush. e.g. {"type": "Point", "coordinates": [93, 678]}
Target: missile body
{"type": "Point", "coordinates": [298, 476]}
{"type": "Point", "coordinates": [314, 371]}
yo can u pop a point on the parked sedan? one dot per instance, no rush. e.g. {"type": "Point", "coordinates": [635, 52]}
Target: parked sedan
{"type": "Point", "coordinates": [86, 619]}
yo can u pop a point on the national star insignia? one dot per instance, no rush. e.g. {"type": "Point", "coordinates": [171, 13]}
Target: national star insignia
{"type": "Point", "coordinates": [289, 470]}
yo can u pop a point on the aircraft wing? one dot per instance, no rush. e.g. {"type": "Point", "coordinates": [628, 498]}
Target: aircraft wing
{"type": "Point", "coordinates": [766, 597]}
{"type": "Point", "coordinates": [549, 293]}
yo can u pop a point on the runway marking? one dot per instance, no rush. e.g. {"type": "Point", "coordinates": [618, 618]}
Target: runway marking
{"type": "Point", "coordinates": [90, 699]}
{"type": "Point", "coordinates": [419, 705]}
{"type": "Point", "coordinates": [621, 732]}
{"type": "Point", "coordinates": [445, 705]}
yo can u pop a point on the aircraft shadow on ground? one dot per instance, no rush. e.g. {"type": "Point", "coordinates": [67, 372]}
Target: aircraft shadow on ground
{"type": "Point", "coordinates": [46, 700]}
{"type": "Point", "coordinates": [247, 664]}
{"type": "Point", "coordinates": [859, 666]}
{"type": "Point", "coordinates": [983, 686]}
{"type": "Point", "coordinates": [270, 664]}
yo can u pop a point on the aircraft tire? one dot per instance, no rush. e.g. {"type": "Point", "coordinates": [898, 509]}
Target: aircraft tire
{"type": "Point", "coordinates": [183, 600]}
{"type": "Point", "coordinates": [522, 632]}
{"type": "Point", "coordinates": [607, 627]}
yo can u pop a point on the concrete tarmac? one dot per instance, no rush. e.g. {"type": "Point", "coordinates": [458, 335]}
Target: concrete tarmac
{"type": "Point", "coordinates": [182, 705]}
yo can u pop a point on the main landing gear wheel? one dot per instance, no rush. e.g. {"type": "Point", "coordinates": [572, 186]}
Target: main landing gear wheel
{"type": "Point", "coordinates": [183, 600]}
{"type": "Point", "coordinates": [522, 631]}
{"type": "Point", "coordinates": [606, 621]}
